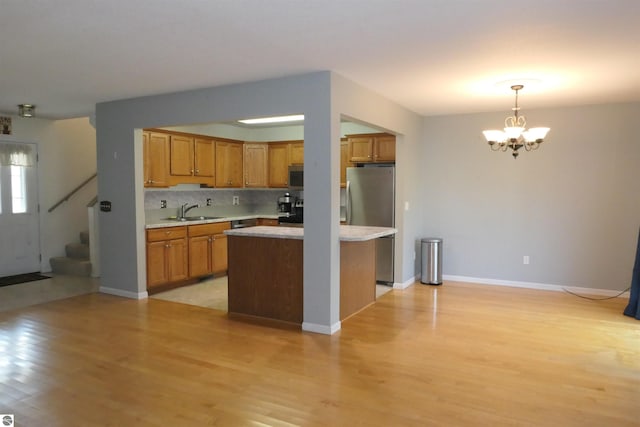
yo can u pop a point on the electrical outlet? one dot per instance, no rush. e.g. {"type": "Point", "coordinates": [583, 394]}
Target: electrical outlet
{"type": "Point", "coordinates": [236, 200]}
{"type": "Point", "coordinates": [163, 204]}
{"type": "Point", "coordinates": [209, 202]}
{"type": "Point", "coordinates": [525, 260]}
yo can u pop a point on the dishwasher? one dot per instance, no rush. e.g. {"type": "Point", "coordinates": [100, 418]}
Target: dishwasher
{"type": "Point", "coordinates": [244, 223]}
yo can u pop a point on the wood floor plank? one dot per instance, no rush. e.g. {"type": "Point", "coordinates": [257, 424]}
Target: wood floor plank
{"type": "Point", "coordinates": [454, 355]}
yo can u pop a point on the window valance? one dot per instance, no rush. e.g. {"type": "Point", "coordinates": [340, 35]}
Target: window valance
{"type": "Point", "coordinates": [16, 154]}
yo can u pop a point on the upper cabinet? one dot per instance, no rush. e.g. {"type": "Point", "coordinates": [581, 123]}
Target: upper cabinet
{"type": "Point", "coordinates": [192, 160]}
{"type": "Point", "coordinates": [344, 161]}
{"type": "Point", "coordinates": [172, 158]}
{"type": "Point", "coordinates": [296, 152]}
{"type": "Point", "coordinates": [283, 154]}
{"type": "Point", "coordinates": [256, 164]}
{"type": "Point", "coordinates": [155, 148]}
{"type": "Point", "coordinates": [278, 164]}
{"type": "Point", "coordinates": [229, 164]}
{"type": "Point", "coordinates": [371, 148]}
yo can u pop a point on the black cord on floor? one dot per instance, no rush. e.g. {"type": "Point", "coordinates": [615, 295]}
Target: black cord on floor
{"type": "Point", "coordinates": [596, 299]}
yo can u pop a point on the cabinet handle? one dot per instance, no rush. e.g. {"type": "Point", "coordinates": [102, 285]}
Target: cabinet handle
{"type": "Point", "coordinates": [167, 245]}
{"type": "Point", "coordinates": [197, 171]}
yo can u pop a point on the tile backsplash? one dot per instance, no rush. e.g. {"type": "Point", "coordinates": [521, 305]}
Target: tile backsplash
{"type": "Point", "coordinates": [250, 200]}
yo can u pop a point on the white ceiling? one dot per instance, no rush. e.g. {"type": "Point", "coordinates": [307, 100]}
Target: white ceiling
{"type": "Point", "coordinates": [432, 56]}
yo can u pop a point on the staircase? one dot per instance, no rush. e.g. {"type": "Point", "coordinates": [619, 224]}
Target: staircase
{"type": "Point", "coordinates": [77, 262]}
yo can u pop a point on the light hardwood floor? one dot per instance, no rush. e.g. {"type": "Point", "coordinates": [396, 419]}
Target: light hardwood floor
{"type": "Point", "coordinates": [455, 355]}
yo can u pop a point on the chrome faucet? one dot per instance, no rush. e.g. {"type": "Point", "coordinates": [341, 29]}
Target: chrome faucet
{"type": "Point", "coordinates": [186, 208]}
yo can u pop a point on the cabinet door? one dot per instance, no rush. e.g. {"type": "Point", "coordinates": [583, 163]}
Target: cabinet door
{"type": "Point", "coordinates": [219, 253]}
{"type": "Point", "coordinates": [235, 162]}
{"type": "Point", "coordinates": [156, 159]}
{"type": "Point", "coordinates": [199, 256]}
{"type": "Point", "coordinates": [344, 162]}
{"type": "Point", "coordinates": [181, 155]}
{"type": "Point", "coordinates": [228, 164]}
{"type": "Point", "coordinates": [255, 165]}
{"type": "Point", "coordinates": [156, 266]}
{"type": "Point", "coordinates": [384, 149]}
{"type": "Point", "coordinates": [177, 258]}
{"type": "Point", "coordinates": [296, 153]}
{"type": "Point", "coordinates": [360, 149]}
{"type": "Point", "coordinates": [279, 165]}
{"type": "Point", "coordinates": [204, 152]}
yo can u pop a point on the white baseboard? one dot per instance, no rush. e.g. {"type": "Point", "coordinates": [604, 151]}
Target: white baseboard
{"type": "Point", "coordinates": [121, 293]}
{"type": "Point", "coordinates": [407, 283]}
{"type": "Point", "coordinates": [321, 329]}
{"type": "Point", "coordinates": [534, 285]}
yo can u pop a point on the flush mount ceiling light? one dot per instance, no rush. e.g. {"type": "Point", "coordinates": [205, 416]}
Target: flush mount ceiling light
{"type": "Point", "coordinates": [278, 119]}
{"type": "Point", "coordinates": [27, 110]}
{"type": "Point", "coordinates": [514, 135]}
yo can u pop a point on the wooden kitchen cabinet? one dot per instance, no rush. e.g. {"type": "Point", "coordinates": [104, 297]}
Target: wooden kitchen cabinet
{"type": "Point", "coordinates": [278, 164]}
{"type": "Point", "coordinates": [296, 153]}
{"type": "Point", "coordinates": [267, 222]}
{"type": "Point", "coordinates": [192, 160]}
{"type": "Point", "coordinates": [228, 164]}
{"type": "Point", "coordinates": [181, 155]}
{"type": "Point", "coordinates": [208, 249]}
{"type": "Point", "coordinates": [167, 256]}
{"type": "Point", "coordinates": [371, 148]}
{"type": "Point", "coordinates": [155, 149]}
{"type": "Point", "coordinates": [344, 161]}
{"type": "Point", "coordinates": [256, 166]}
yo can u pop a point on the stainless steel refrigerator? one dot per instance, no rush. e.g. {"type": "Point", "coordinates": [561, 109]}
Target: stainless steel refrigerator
{"type": "Point", "coordinates": [370, 200]}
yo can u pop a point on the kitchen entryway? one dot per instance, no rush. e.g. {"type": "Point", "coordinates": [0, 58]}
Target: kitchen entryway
{"type": "Point", "coordinates": [212, 293]}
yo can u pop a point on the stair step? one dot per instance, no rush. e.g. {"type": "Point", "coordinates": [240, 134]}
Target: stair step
{"type": "Point", "coordinates": [70, 266]}
{"type": "Point", "coordinates": [84, 237]}
{"type": "Point", "coordinates": [77, 251]}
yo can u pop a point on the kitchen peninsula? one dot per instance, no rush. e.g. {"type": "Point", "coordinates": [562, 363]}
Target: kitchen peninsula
{"type": "Point", "coordinates": [266, 265]}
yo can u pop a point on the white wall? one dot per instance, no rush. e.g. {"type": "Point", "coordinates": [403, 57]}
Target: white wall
{"type": "Point", "coordinates": [573, 206]}
{"type": "Point", "coordinates": [67, 153]}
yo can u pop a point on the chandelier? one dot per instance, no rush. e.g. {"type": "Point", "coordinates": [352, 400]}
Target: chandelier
{"type": "Point", "coordinates": [514, 135]}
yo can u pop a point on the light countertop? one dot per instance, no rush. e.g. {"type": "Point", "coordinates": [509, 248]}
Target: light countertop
{"type": "Point", "coordinates": [348, 233]}
{"type": "Point", "coordinates": [173, 223]}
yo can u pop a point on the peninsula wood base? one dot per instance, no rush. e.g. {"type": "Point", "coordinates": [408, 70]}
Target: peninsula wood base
{"type": "Point", "coordinates": [266, 278]}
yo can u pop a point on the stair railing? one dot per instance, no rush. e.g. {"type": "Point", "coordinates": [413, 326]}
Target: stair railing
{"type": "Point", "coordinates": [72, 192]}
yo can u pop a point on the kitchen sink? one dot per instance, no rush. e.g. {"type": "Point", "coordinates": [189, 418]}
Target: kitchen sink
{"type": "Point", "coordinates": [192, 218]}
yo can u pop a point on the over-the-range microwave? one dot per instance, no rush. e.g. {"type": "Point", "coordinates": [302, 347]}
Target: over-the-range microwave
{"type": "Point", "coordinates": [296, 177]}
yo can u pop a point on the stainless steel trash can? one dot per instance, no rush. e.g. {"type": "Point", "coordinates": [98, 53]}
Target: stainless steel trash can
{"type": "Point", "coordinates": [431, 261]}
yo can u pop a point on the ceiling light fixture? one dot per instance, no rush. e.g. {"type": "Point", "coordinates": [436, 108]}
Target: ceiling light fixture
{"type": "Point", "coordinates": [27, 110]}
{"type": "Point", "coordinates": [515, 136]}
{"type": "Point", "coordinates": [278, 119]}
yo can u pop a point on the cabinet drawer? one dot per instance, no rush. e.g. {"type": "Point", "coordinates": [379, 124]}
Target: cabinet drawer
{"type": "Point", "coordinates": [208, 229]}
{"type": "Point", "coordinates": [166, 233]}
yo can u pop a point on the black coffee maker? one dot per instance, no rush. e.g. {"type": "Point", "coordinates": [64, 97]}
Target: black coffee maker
{"type": "Point", "coordinates": [285, 204]}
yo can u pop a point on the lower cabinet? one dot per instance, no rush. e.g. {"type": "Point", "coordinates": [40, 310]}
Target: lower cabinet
{"type": "Point", "coordinates": [176, 254]}
{"type": "Point", "coordinates": [167, 256]}
{"type": "Point", "coordinates": [208, 249]}
{"type": "Point", "coordinates": [267, 221]}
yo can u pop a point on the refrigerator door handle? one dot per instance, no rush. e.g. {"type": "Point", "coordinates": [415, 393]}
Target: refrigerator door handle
{"type": "Point", "coordinates": [348, 195]}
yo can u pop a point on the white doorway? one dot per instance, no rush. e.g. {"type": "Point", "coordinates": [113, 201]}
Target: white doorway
{"type": "Point", "coordinates": [19, 217]}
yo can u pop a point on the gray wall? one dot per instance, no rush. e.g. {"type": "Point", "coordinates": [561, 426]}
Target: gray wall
{"type": "Point", "coordinates": [573, 206]}
{"type": "Point", "coordinates": [322, 97]}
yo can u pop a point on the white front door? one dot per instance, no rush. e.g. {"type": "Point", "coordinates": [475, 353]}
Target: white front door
{"type": "Point", "coordinates": [19, 219]}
